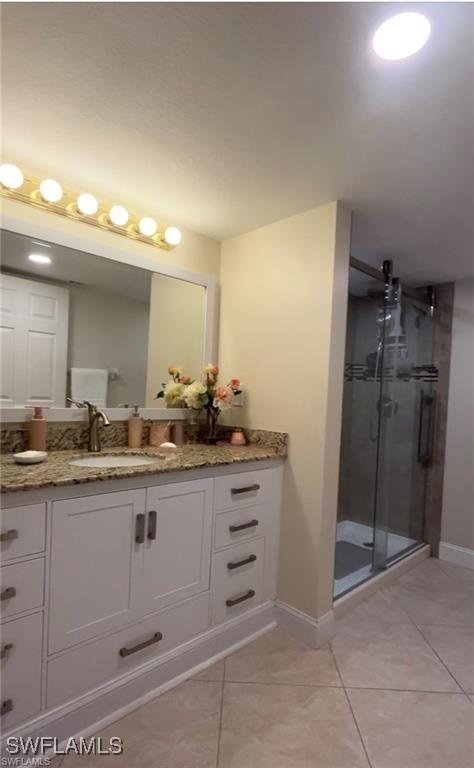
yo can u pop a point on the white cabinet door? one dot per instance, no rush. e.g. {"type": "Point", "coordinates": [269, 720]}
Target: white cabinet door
{"type": "Point", "coordinates": [33, 341]}
{"type": "Point", "coordinates": [178, 542]}
{"type": "Point", "coordinates": [96, 565]}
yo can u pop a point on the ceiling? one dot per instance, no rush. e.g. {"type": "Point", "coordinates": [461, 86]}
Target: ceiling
{"type": "Point", "coordinates": [73, 267]}
{"type": "Point", "coordinates": [226, 116]}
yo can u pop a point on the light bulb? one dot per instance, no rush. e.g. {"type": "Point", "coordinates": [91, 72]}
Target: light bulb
{"type": "Point", "coordinates": [87, 204]}
{"type": "Point", "coordinates": [118, 215]}
{"type": "Point", "coordinates": [401, 36]}
{"type": "Point", "coordinates": [147, 226]}
{"type": "Point", "coordinates": [172, 235]}
{"type": "Point", "coordinates": [39, 258]}
{"type": "Point", "coordinates": [51, 190]}
{"type": "Point", "coordinates": [10, 176]}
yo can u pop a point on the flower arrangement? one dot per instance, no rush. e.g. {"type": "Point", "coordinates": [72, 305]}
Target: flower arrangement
{"type": "Point", "coordinates": [207, 394]}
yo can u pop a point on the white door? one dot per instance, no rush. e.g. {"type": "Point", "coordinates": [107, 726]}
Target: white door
{"type": "Point", "coordinates": [177, 543]}
{"type": "Point", "coordinates": [96, 565]}
{"type": "Point", "coordinates": [33, 341]}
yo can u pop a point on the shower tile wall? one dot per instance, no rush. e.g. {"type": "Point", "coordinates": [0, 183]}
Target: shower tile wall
{"type": "Point", "coordinates": [359, 421]}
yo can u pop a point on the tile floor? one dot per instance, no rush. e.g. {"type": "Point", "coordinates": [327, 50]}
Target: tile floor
{"type": "Point", "coordinates": [394, 690]}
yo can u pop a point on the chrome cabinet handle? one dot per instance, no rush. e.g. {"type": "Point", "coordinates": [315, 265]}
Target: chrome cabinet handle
{"type": "Point", "coordinates": [235, 600]}
{"type": "Point", "coordinates": [9, 535]}
{"type": "Point", "coordinates": [245, 489]}
{"type": "Point", "coordinates": [124, 652]}
{"type": "Point", "coordinates": [152, 525]}
{"type": "Point", "coordinates": [8, 593]}
{"type": "Point", "coordinates": [140, 528]}
{"type": "Point", "coordinates": [243, 526]}
{"type": "Point", "coordinates": [249, 559]}
{"type": "Point", "coordinates": [5, 650]}
{"type": "Point", "coordinates": [6, 706]}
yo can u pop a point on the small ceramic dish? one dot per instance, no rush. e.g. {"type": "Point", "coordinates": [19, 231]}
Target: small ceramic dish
{"type": "Point", "coordinates": [30, 457]}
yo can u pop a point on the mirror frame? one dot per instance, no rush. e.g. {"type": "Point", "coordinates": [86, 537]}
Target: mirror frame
{"type": "Point", "coordinates": [79, 243]}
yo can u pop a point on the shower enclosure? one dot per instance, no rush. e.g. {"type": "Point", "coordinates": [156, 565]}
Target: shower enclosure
{"type": "Point", "coordinates": [387, 424]}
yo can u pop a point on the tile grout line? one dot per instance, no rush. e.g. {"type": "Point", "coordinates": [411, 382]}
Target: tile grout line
{"type": "Point", "coordinates": [219, 731]}
{"type": "Point", "coordinates": [276, 683]}
{"type": "Point", "coordinates": [350, 707]}
{"type": "Point", "coordinates": [440, 659]}
{"type": "Point", "coordinates": [417, 627]}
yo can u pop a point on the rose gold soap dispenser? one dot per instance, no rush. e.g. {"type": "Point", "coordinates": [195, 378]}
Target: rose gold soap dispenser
{"type": "Point", "coordinates": [135, 429]}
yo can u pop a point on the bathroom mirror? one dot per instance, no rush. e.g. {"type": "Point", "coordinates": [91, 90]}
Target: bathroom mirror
{"type": "Point", "coordinates": [75, 324]}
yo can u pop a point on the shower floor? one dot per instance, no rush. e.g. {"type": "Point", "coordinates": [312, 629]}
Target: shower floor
{"type": "Point", "coordinates": [350, 559]}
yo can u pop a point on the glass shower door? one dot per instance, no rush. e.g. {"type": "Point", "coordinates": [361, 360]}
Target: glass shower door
{"type": "Point", "coordinates": [405, 424]}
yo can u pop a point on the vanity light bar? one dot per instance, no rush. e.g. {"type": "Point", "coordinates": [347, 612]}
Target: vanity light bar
{"type": "Point", "coordinates": [49, 195]}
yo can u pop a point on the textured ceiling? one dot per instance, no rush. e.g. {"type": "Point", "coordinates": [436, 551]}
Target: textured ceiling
{"type": "Point", "coordinates": [225, 117]}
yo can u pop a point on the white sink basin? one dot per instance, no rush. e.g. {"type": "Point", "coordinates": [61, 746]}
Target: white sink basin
{"type": "Point", "coordinates": [114, 461]}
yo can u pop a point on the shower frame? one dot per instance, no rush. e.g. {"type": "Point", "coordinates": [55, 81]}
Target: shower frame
{"type": "Point", "coordinates": [424, 296]}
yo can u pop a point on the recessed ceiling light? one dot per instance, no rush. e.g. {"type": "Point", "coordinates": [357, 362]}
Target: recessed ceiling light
{"type": "Point", "coordinates": [401, 36]}
{"type": "Point", "coordinates": [39, 258]}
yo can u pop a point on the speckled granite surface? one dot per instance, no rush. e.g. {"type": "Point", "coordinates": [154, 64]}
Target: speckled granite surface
{"type": "Point", "coordinates": [67, 436]}
{"type": "Point", "coordinates": [56, 469]}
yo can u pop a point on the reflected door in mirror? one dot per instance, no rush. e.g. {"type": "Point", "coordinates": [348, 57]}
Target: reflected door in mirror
{"type": "Point", "coordinates": [34, 331]}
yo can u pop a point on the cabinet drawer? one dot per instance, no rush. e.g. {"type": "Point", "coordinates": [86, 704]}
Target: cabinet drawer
{"type": "Point", "coordinates": [22, 531]}
{"type": "Point", "coordinates": [21, 669]}
{"type": "Point", "coordinates": [242, 489]}
{"type": "Point", "coordinates": [91, 665]}
{"type": "Point", "coordinates": [237, 580]}
{"type": "Point", "coordinates": [239, 525]}
{"type": "Point", "coordinates": [22, 587]}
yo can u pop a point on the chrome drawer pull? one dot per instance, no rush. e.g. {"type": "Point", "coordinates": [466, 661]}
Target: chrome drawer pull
{"type": "Point", "coordinates": [140, 529]}
{"type": "Point", "coordinates": [152, 525]}
{"type": "Point", "coordinates": [7, 706]}
{"type": "Point", "coordinates": [246, 489]}
{"type": "Point", "coordinates": [5, 650]}
{"type": "Point", "coordinates": [141, 646]}
{"type": "Point", "coordinates": [9, 535]}
{"type": "Point", "coordinates": [249, 559]}
{"type": "Point", "coordinates": [8, 593]}
{"type": "Point", "coordinates": [235, 600]}
{"type": "Point", "coordinates": [250, 524]}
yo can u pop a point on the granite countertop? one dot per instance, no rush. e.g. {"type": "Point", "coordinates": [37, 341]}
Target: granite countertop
{"type": "Point", "coordinates": [57, 471]}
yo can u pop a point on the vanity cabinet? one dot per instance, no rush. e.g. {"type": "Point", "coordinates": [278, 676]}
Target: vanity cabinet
{"type": "Point", "coordinates": [177, 550]}
{"type": "Point", "coordinates": [96, 565]}
{"type": "Point", "coordinates": [116, 557]}
{"type": "Point", "coordinates": [137, 584]}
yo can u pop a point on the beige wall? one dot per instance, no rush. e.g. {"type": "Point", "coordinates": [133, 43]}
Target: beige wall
{"type": "Point", "coordinates": [108, 331]}
{"type": "Point", "coordinates": [195, 252]}
{"type": "Point", "coordinates": [282, 331]}
{"type": "Point", "coordinates": [176, 335]}
{"type": "Point", "coordinates": [457, 525]}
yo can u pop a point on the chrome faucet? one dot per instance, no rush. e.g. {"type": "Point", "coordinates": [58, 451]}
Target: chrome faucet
{"type": "Point", "coordinates": [95, 417]}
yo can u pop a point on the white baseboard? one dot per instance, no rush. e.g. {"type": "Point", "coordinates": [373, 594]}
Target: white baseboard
{"type": "Point", "coordinates": [97, 709]}
{"type": "Point", "coordinates": [311, 631]}
{"type": "Point", "coordinates": [457, 555]}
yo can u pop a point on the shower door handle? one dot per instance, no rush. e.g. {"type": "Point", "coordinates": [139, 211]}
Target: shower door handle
{"type": "Point", "coordinates": [426, 428]}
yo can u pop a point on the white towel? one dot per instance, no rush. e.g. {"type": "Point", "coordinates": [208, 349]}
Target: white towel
{"type": "Point", "coordinates": [90, 384]}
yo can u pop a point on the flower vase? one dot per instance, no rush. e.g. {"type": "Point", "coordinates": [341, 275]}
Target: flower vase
{"type": "Point", "coordinates": [212, 415]}
{"type": "Point", "coordinates": [193, 425]}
